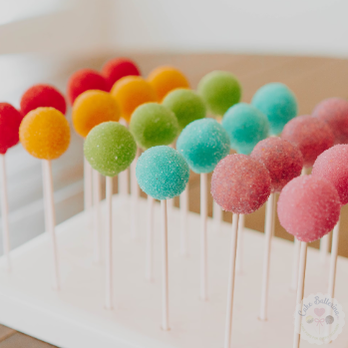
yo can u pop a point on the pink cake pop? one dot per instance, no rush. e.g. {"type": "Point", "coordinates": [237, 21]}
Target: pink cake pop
{"type": "Point", "coordinates": [334, 111]}
{"type": "Point", "coordinates": [311, 135]}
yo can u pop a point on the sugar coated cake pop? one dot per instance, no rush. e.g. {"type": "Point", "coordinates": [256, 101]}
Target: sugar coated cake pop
{"type": "Point", "coordinates": [240, 184]}
{"type": "Point", "coordinates": [278, 103]}
{"type": "Point", "coordinates": [42, 96]}
{"type": "Point", "coordinates": [334, 111]}
{"type": "Point", "coordinates": [246, 126]}
{"type": "Point", "coordinates": [187, 106]}
{"type": "Point", "coordinates": [110, 148]}
{"type": "Point", "coordinates": [153, 124]}
{"type": "Point", "coordinates": [332, 165]}
{"type": "Point", "coordinates": [283, 160]}
{"type": "Point", "coordinates": [92, 108]}
{"type": "Point", "coordinates": [45, 133]}
{"type": "Point", "coordinates": [308, 207]}
{"type": "Point", "coordinates": [220, 90]}
{"type": "Point", "coordinates": [10, 119]}
{"type": "Point", "coordinates": [85, 80]}
{"type": "Point", "coordinates": [165, 79]}
{"type": "Point", "coordinates": [162, 172]}
{"type": "Point", "coordinates": [311, 135]}
{"type": "Point", "coordinates": [130, 92]}
{"type": "Point", "coordinates": [116, 68]}
{"type": "Point", "coordinates": [203, 143]}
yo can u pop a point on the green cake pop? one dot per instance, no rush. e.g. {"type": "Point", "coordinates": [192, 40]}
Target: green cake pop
{"type": "Point", "coordinates": [153, 124]}
{"type": "Point", "coordinates": [220, 90]}
{"type": "Point", "coordinates": [187, 106]}
{"type": "Point", "coordinates": [110, 148]}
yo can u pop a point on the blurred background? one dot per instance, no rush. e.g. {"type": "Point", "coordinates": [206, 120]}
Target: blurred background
{"type": "Point", "coordinates": [301, 43]}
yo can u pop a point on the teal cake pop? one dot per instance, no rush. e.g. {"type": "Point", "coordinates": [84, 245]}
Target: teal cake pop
{"type": "Point", "coordinates": [110, 148]}
{"type": "Point", "coordinates": [186, 105]}
{"type": "Point", "coordinates": [278, 103]}
{"type": "Point", "coordinates": [246, 126]}
{"type": "Point", "coordinates": [153, 124]}
{"type": "Point", "coordinates": [162, 172]}
{"type": "Point", "coordinates": [220, 90]}
{"type": "Point", "coordinates": [203, 143]}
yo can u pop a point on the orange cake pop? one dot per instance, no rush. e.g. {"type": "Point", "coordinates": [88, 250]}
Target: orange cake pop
{"type": "Point", "coordinates": [45, 133]}
{"type": "Point", "coordinates": [92, 108]}
{"type": "Point", "coordinates": [166, 78]}
{"type": "Point", "coordinates": [130, 92]}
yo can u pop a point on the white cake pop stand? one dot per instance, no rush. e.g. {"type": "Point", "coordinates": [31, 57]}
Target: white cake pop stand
{"type": "Point", "coordinates": [75, 317]}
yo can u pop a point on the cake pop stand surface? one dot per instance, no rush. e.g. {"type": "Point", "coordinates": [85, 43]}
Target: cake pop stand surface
{"type": "Point", "coordinates": [75, 317]}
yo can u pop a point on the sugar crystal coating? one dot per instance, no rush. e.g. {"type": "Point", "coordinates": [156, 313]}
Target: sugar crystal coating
{"type": "Point", "coordinates": [240, 184]}
{"type": "Point", "coordinates": [203, 143]}
{"type": "Point", "coordinates": [246, 126]}
{"type": "Point", "coordinates": [311, 135]}
{"type": "Point", "coordinates": [283, 160]}
{"type": "Point", "coordinates": [332, 165]}
{"type": "Point", "coordinates": [162, 172]}
{"type": "Point", "coordinates": [334, 111]}
{"type": "Point", "coordinates": [308, 207]}
{"type": "Point", "coordinates": [110, 148]}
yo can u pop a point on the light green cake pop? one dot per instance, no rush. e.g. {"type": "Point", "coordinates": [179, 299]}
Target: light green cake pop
{"type": "Point", "coordinates": [186, 105]}
{"type": "Point", "coordinates": [110, 148]}
{"type": "Point", "coordinates": [220, 90]}
{"type": "Point", "coordinates": [153, 124]}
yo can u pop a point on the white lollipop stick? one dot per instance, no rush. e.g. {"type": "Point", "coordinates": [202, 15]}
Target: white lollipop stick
{"type": "Point", "coordinates": [165, 293]}
{"type": "Point", "coordinates": [184, 202]}
{"type": "Point", "coordinates": [50, 218]}
{"type": "Point", "coordinates": [333, 260]}
{"type": "Point", "coordinates": [96, 217]}
{"type": "Point", "coordinates": [300, 292]}
{"type": "Point", "coordinates": [324, 248]}
{"type": "Point", "coordinates": [135, 197]}
{"type": "Point", "coordinates": [240, 246]}
{"type": "Point", "coordinates": [108, 245]}
{"type": "Point", "coordinates": [269, 225]}
{"type": "Point", "coordinates": [123, 182]}
{"type": "Point", "coordinates": [204, 242]}
{"type": "Point", "coordinates": [217, 215]}
{"type": "Point", "coordinates": [4, 213]}
{"type": "Point", "coordinates": [87, 178]}
{"type": "Point", "coordinates": [231, 278]}
{"type": "Point", "coordinates": [149, 240]}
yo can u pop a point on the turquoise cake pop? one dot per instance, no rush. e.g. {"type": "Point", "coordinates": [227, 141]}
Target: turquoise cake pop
{"type": "Point", "coordinates": [220, 90]}
{"type": "Point", "coordinates": [278, 103]}
{"type": "Point", "coordinates": [186, 104]}
{"type": "Point", "coordinates": [162, 172]}
{"type": "Point", "coordinates": [246, 126]}
{"type": "Point", "coordinates": [203, 143]}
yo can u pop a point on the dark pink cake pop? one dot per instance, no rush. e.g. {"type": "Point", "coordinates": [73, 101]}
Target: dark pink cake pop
{"type": "Point", "coordinates": [240, 184]}
{"type": "Point", "coordinates": [334, 111]}
{"type": "Point", "coordinates": [311, 135]}
{"type": "Point", "coordinates": [332, 165]}
{"type": "Point", "coordinates": [283, 160]}
{"type": "Point", "coordinates": [308, 207]}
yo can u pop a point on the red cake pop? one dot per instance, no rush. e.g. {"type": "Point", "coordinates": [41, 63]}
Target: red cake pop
{"type": "Point", "coordinates": [308, 207]}
{"type": "Point", "coordinates": [84, 80]}
{"type": "Point", "coordinates": [10, 119]}
{"type": "Point", "coordinates": [334, 111]}
{"type": "Point", "coordinates": [240, 184]}
{"type": "Point", "coordinates": [283, 160]}
{"type": "Point", "coordinates": [117, 68]}
{"type": "Point", "coordinates": [42, 96]}
{"type": "Point", "coordinates": [332, 165]}
{"type": "Point", "coordinates": [311, 135]}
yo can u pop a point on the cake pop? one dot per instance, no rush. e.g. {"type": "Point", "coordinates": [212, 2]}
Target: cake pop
{"type": "Point", "coordinates": [246, 126]}
{"type": "Point", "coordinates": [186, 105]}
{"type": "Point", "coordinates": [220, 90]}
{"type": "Point", "coordinates": [310, 135]}
{"type": "Point", "coordinates": [130, 92]}
{"type": "Point", "coordinates": [165, 79]}
{"type": "Point", "coordinates": [278, 103]}
{"type": "Point", "coordinates": [114, 69]}
{"type": "Point", "coordinates": [42, 96]}
{"type": "Point", "coordinates": [84, 80]}
{"type": "Point", "coordinates": [334, 111]}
